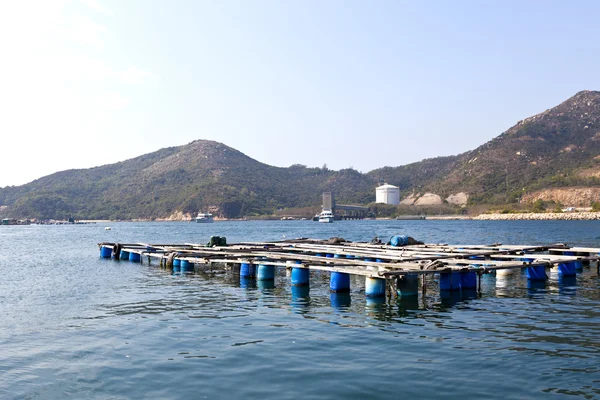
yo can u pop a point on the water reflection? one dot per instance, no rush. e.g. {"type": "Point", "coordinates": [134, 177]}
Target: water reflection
{"type": "Point", "coordinates": [567, 285]}
{"type": "Point", "coordinates": [265, 285]}
{"type": "Point", "coordinates": [406, 305]}
{"type": "Point", "coordinates": [449, 298]}
{"type": "Point", "coordinates": [247, 283]}
{"type": "Point", "coordinates": [340, 300]}
{"type": "Point", "coordinates": [300, 298]}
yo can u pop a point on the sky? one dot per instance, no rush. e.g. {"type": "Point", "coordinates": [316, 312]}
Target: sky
{"type": "Point", "coordinates": [361, 84]}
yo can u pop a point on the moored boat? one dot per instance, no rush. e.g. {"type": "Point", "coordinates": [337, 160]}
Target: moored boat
{"type": "Point", "coordinates": [326, 216]}
{"type": "Point", "coordinates": [204, 217]}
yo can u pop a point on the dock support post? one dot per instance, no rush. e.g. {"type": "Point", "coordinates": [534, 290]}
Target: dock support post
{"type": "Point", "coordinates": [567, 269]}
{"type": "Point", "coordinates": [423, 284]}
{"type": "Point", "coordinates": [537, 273]}
{"type": "Point", "coordinates": [247, 270]}
{"type": "Point", "coordinates": [407, 285]}
{"type": "Point", "coordinates": [374, 287]}
{"type": "Point", "coordinates": [450, 281]}
{"type": "Point", "coordinates": [265, 272]}
{"type": "Point", "coordinates": [339, 282]}
{"type": "Point", "coordinates": [479, 283]}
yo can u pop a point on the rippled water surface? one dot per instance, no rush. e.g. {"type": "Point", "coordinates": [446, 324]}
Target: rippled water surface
{"type": "Point", "coordinates": [77, 326]}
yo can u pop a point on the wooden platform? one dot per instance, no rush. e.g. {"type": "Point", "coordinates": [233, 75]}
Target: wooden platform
{"type": "Point", "coordinates": [366, 259]}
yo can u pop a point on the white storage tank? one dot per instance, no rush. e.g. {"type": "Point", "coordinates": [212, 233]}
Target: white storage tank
{"type": "Point", "coordinates": [387, 194]}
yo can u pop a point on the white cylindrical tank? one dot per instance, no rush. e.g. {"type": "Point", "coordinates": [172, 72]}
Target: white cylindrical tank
{"type": "Point", "coordinates": [387, 194]}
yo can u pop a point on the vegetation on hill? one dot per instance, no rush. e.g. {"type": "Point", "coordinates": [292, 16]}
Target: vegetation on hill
{"type": "Point", "coordinates": [557, 148]}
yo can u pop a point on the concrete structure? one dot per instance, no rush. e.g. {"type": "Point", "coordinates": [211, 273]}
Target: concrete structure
{"type": "Point", "coordinates": [328, 201]}
{"type": "Point", "coordinates": [387, 194]}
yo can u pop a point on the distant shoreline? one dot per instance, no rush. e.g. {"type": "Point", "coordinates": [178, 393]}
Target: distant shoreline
{"type": "Point", "coordinates": [569, 216]}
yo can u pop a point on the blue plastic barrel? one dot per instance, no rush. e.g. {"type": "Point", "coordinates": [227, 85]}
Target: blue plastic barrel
{"type": "Point", "coordinates": [328, 255]}
{"type": "Point", "coordinates": [300, 276]}
{"type": "Point", "coordinates": [337, 256]}
{"type": "Point", "coordinates": [567, 269]}
{"type": "Point", "coordinates": [265, 272]}
{"type": "Point", "coordinates": [537, 273]}
{"type": "Point", "coordinates": [468, 280]}
{"type": "Point", "coordinates": [135, 257]}
{"type": "Point", "coordinates": [349, 256]}
{"type": "Point", "coordinates": [569, 253]}
{"type": "Point", "coordinates": [176, 265]}
{"type": "Point", "coordinates": [247, 270]}
{"type": "Point", "coordinates": [399, 240]}
{"type": "Point", "coordinates": [319, 255]}
{"type": "Point", "coordinates": [370, 259]}
{"type": "Point", "coordinates": [374, 287]}
{"type": "Point", "coordinates": [186, 266]}
{"type": "Point", "coordinates": [105, 252]}
{"type": "Point", "coordinates": [578, 265]}
{"type": "Point", "coordinates": [339, 282]}
{"type": "Point", "coordinates": [449, 281]}
{"type": "Point", "coordinates": [124, 255]}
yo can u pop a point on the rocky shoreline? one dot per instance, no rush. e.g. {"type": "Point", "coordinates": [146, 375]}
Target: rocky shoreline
{"type": "Point", "coordinates": [571, 216]}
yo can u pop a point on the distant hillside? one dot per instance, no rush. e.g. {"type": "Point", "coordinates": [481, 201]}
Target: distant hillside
{"type": "Point", "coordinates": [203, 175]}
{"type": "Point", "coordinates": [559, 148]}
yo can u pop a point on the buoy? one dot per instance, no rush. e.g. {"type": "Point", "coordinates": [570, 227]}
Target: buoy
{"type": "Point", "coordinates": [107, 228]}
{"type": "Point", "coordinates": [124, 255]}
{"type": "Point", "coordinates": [374, 287]}
{"type": "Point", "coordinates": [537, 273]}
{"type": "Point", "coordinates": [300, 276]}
{"type": "Point", "coordinates": [105, 252]}
{"type": "Point", "coordinates": [265, 272]}
{"type": "Point", "coordinates": [567, 269]}
{"type": "Point", "coordinates": [450, 280]}
{"type": "Point", "coordinates": [468, 280]}
{"type": "Point", "coordinates": [247, 270]}
{"type": "Point", "coordinates": [505, 272]}
{"type": "Point", "coordinates": [186, 266]}
{"type": "Point", "coordinates": [339, 282]}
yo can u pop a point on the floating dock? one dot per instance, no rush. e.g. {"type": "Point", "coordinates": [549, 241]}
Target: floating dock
{"type": "Point", "coordinates": [395, 268]}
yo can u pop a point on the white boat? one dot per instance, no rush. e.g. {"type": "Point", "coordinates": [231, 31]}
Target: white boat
{"type": "Point", "coordinates": [204, 217]}
{"type": "Point", "coordinates": [326, 216]}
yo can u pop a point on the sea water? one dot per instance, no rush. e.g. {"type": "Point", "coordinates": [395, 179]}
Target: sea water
{"type": "Point", "coordinates": [73, 325]}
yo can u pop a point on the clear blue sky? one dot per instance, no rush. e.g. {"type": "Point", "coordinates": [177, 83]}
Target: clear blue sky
{"type": "Point", "coordinates": [360, 84]}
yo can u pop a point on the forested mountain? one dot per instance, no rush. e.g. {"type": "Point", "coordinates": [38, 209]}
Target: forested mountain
{"type": "Point", "coordinates": [201, 175]}
{"type": "Point", "coordinates": [557, 148]}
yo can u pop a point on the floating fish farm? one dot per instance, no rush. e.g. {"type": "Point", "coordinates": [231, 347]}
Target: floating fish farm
{"type": "Point", "coordinates": [398, 267]}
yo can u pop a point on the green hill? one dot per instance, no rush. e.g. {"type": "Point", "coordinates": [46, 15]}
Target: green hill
{"type": "Point", "coordinates": [559, 148]}
{"type": "Point", "coordinates": [201, 175]}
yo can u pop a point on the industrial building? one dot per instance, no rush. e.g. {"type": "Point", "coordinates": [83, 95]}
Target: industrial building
{"type": "Point", "coordinates": [387, 194]}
